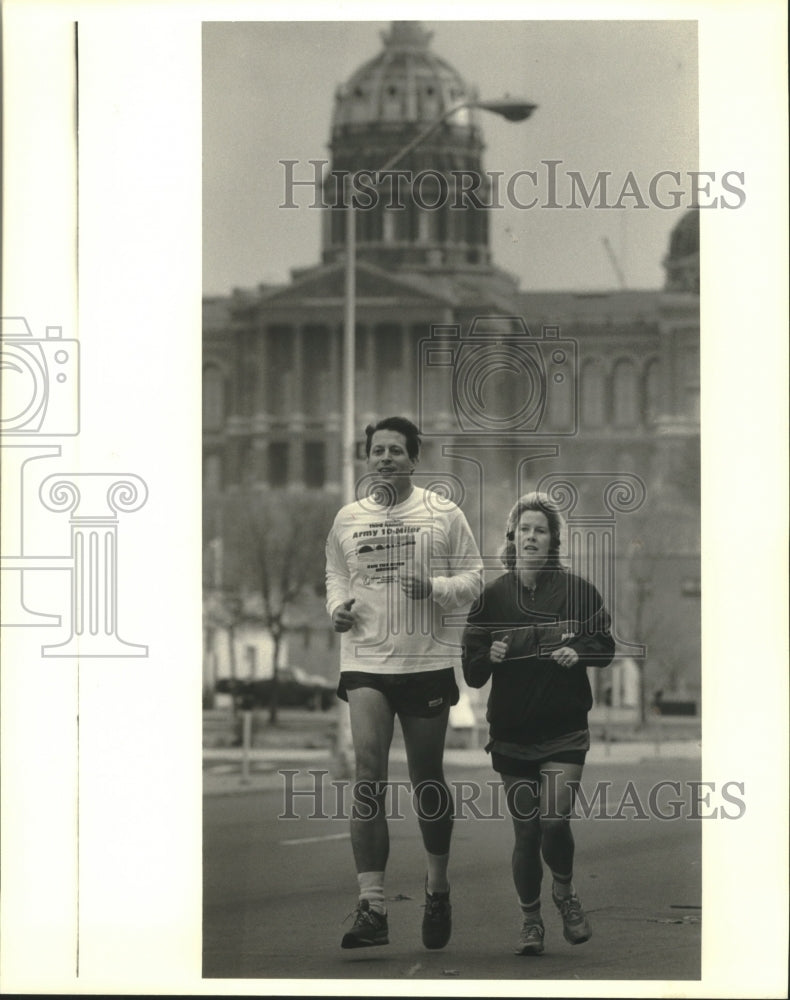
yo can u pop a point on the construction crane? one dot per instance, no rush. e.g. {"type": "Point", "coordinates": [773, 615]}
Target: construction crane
{"type": "Point", "coordinates": [615, 264]}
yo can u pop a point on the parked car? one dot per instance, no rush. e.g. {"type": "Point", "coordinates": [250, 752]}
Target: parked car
{"type": "Point", "coordinates": [295, 689]}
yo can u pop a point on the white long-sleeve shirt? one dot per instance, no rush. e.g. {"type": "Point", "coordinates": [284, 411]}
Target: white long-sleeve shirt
{"type": "Point", "coordinates": [366, 551]}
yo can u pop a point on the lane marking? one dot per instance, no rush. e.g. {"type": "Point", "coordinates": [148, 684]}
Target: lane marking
{"type": "Point", "coordinates": [316, 840]}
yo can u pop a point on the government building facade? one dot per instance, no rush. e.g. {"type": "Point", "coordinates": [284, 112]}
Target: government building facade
{"type": "Point", "coordinates": [592, 396]}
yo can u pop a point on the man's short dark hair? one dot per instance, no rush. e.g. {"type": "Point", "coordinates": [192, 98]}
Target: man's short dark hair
{"type": "Point", "coordinates": [402, 426]}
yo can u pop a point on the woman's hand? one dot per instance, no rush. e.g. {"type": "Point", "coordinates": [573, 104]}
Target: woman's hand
{"type": "Point", "coordinates": [498, 650]}
{"type": "Point", "coordinates": [565, 656]}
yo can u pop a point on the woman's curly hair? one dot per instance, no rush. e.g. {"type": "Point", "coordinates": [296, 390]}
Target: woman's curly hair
{"type": "Point", "coordinates": [533, 501]}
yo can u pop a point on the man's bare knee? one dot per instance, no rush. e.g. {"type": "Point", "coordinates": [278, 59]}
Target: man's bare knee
{"type": "Point", "coordinates": [370, 766]}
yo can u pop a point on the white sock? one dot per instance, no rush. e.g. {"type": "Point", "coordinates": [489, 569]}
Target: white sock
{"type": "Point", "coordinates": [436, 880]}
{"type": "Point", "coordinates": [563, 888]}
{"type": "Point", "coordinates": [371, 888]}
{"type": "Point", "coordinates": [531, 911]}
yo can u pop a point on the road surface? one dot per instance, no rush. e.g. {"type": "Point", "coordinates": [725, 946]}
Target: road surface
{"type": "Point", "coordinates": [276, 891]}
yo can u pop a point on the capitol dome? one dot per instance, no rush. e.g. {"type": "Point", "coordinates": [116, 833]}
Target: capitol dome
{"type": "Point", "coordinates": [386, 104]}
{"type": "Point", "coordinates": [682, 261]}
{"type": "Point", "coordinates": [405, 83]}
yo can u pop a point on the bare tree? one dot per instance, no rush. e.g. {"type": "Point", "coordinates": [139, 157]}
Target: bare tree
{"type": "Point", "coordinates": [274, 544]}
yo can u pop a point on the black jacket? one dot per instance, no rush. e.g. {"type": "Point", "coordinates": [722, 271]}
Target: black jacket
{"type": "Point", "coordinates": [533, 698]}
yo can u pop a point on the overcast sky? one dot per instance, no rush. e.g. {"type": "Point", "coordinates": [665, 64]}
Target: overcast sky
{"type": "Point", "coordinates": [613, 96]}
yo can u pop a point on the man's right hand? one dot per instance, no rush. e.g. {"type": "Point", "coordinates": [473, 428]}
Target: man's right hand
{"type": "Point", "coordinates": [342, 618]}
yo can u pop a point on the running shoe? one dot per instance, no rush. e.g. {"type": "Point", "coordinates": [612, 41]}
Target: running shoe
{"type": "Point", "coordinates": [369, 928]}
{"type": "Point", "coordinates": [531, 940]}
{"type": "Point", "coordinates": [437, 921]}
{"type": "Point", "coordinates": [575, 925]}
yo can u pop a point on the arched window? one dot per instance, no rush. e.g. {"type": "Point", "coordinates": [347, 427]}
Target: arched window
{"type": "Point", "coordinates": [314, 464]}
{"type": "Point", "coordinates": [652, 391]}
{"type": "Point", "coordinates": [277, 463]}
{"type": "Point", "coordinates": [593, 394]}
{"type": "Point", "coordinates": [689, 362]}
{"type": "Point", "coordinates": [391, 104]}
{"type": "Point", "coordinates": [625, 398]}
{"type": "Point", "coordinates": [430, 102]}
{"type": "Point", "coordinates": [359, 109]}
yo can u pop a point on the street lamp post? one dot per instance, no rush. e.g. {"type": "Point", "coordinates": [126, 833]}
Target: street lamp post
{"type": "Point", "coordinates": [511, 110]}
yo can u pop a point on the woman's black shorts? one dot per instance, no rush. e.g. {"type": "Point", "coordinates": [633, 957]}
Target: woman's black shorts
{"type": "Point", "coordinates": [531, 768]}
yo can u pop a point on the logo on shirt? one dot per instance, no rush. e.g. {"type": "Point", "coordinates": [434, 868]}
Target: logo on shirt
{"type": "Point", "coordinates": [384, 549]}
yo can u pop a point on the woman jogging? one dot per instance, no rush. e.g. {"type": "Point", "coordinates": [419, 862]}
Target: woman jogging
{"type": "Point", "coordinates": [534, 632]}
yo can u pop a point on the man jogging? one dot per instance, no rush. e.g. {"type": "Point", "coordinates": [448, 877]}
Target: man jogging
{"type": "Point", "coordinates": [397, 562]}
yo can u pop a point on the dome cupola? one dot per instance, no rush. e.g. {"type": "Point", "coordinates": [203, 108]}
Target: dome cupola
{"type": "Point", "coordinates": [418, 221]}
{"type": "Point", "coordinates": [682, 262]}
{"type": "Point", "coordinates": [406, 83]}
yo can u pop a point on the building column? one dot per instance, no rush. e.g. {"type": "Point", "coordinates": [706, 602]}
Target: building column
{"type": "Point", "coordinates": [261, 408]}
{"type": "Point", "coordinates": [296, 415]}
{"type": "Point", "coordinates": [333, 422]}
{"type": "Point", "coordinates": [258, 458]}
{"type": "Point", "coordinates": [334, 377]}
{"type": "Point", "coordinates": [297, 381]}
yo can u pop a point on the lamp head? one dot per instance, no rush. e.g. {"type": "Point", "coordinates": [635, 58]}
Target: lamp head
{"type": "Point", "coordinates": [508, 108]}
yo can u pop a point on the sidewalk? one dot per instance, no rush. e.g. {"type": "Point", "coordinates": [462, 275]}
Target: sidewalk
{"type": "Point", "coordinates": [229, 771]}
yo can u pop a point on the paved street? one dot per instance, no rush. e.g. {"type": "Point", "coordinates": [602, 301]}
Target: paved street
{"type": "Point", "coordinates": [276, 891]}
